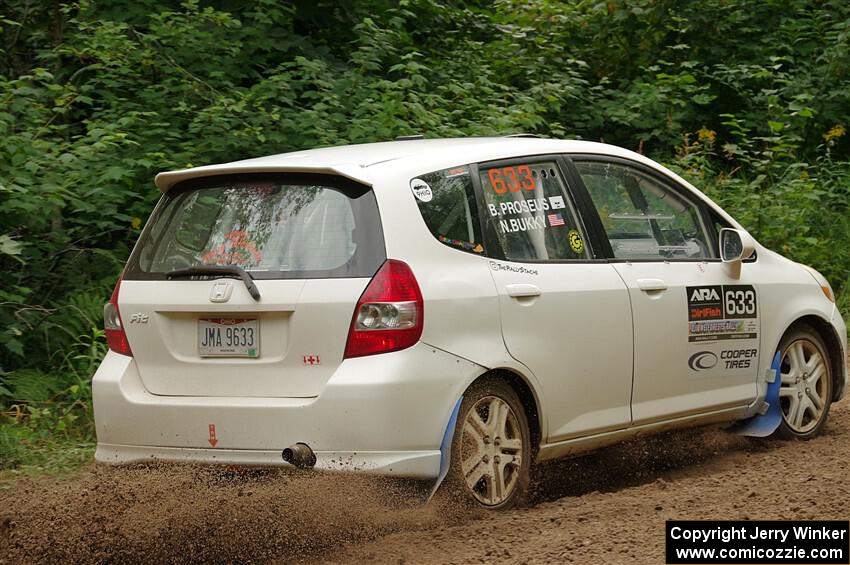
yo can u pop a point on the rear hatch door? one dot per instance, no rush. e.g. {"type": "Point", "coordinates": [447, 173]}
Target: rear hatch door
{"type": "Point", "coordinates": [309, 243]}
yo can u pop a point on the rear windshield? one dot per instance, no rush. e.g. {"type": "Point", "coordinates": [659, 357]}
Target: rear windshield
{"type": "Point", "coordinates": [274, 227]}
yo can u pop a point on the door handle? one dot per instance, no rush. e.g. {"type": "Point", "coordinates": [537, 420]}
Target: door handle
{"type": "Point", "coordinates": [522, 290]}
{"type": "Point", "coordinates": [651, 285]}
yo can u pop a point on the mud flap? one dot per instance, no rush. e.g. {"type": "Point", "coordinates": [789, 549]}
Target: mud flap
{"type": "Point", "coordinates": [446, 448]}
{"type": "Point", "coordinates": [768, 420]}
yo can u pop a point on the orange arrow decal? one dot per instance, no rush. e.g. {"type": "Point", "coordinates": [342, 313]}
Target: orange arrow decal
{"type": "Point", "coordinates": [213, 441]}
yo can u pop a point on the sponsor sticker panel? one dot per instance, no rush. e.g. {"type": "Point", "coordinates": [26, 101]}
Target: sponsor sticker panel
{"type": "Point", "coordinates": [719, 317]}
{"type": "Point", "coordinates": [722, 312]}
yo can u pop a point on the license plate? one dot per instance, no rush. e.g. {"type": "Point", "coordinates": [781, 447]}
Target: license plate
{"type": "Point", "coordinates": [229, 337]}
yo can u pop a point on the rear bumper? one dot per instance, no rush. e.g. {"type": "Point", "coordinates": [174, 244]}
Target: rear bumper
{"type": "Point", "coordinates": [415, 464]}
{"type": "Point", "coordinates": [384, 414]}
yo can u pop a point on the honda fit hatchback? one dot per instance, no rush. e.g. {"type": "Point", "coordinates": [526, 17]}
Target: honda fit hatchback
{"type": "Point", "coordinates": [455, 308]}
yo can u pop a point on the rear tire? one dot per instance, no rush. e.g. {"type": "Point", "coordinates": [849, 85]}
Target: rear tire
{"type": "Point", "coordinates": [805, 394]}
{"type": "Point", "coordinates": [491, 448]}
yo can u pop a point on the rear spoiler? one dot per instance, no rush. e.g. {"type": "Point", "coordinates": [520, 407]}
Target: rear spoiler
{"type": "Point", "coordinates": [164, 181]}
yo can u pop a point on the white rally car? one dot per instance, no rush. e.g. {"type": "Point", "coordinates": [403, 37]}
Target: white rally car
{"type": "Point", "coordinates": [459, 308]}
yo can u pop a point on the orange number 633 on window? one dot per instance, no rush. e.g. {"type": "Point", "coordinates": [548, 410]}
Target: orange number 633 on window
{"type": "Point", "coordinates": [511, 178]}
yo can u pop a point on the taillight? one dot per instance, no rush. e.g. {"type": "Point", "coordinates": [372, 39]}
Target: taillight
{"type": "Point", "coordinates": [389, 314]}
{"type": "Point", "coordinates": [115, 336]}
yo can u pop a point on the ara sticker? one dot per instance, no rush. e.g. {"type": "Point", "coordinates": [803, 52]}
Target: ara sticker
{"type": "Point", "coordinates": [421, 190]}
{"type": "Point", "coordinates": [576, 243]}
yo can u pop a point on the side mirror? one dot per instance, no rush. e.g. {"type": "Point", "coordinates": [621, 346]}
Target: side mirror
{"type": "Point", "coordinates": [735, 246]}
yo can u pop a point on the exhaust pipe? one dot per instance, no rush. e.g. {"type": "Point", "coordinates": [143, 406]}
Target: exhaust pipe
{"type": "Point", "coordinates": [299, 455]}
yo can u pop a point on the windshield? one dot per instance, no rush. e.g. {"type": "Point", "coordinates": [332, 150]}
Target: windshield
{"type": "Point", "coordinates": [271, 226]}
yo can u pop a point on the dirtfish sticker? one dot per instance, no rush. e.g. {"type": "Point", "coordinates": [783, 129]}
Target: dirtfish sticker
{"type": "Point", "coordinates": [421, 190]}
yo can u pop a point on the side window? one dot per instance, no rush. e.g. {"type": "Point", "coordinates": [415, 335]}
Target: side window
{"type": "Point", "coordinates": [643, 218]}
{"type": "Point", "coordinates": [531, 214]}
{"type": "Point", "coordinates": [718, 222]}
{"type": "Point", "coordinates": [447, 203]}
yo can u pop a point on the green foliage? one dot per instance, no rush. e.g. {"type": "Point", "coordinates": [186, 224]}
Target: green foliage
{"type": "Point", "coordinates": [22, 452]}
{"type": "Point", "coordinates": [750, 100]}
{"type": "Point", "coordinates": [12, 447]}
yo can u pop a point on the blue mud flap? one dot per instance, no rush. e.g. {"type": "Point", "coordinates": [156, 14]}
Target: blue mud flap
{"type": "Point", "coordinates": [765, 424]}
{"type": "Point", "coordinates": [446, 448]}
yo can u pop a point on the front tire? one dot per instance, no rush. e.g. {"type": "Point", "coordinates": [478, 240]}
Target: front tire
{"type": "Point", "coordinates": [805, 393]}
{"type": "Point", "coordinates": [491, 448]}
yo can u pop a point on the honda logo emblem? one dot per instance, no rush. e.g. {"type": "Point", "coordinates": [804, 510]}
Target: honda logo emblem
{"type": "Point", "coordinates": [221, 291]}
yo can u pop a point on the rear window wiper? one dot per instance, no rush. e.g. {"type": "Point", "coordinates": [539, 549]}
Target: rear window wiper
{"type": "Point", "coordinates": [220, 271]}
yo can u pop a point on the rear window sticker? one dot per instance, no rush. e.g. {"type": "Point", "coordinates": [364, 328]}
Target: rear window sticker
{"type": "Point", "coordinates": [512, 179]}
{"type": "Point", "coordinates": [511, 225]}
{"type": "Point", "coordinates": [421, 190]}
{"type": "Point", "coordinates": [529, 206]}
{"type": "Point", "coordinates": [555, 220]}
{"type": "Point", "coordinates": [467, 245]}
{"type": "Point", "coordinates": [576, 243]}
{"type": "Point", "coordinates": [457, 172]}
{"type": "Point", "coordinates": [236, 250]}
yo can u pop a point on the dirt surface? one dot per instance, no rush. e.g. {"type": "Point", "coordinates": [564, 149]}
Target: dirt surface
{"type": "Point", "coordinates": [606, 507]}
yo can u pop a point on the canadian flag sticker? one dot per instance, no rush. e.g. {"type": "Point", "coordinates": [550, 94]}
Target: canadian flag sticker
{"type": "Point", "coordinates": [311, 360]}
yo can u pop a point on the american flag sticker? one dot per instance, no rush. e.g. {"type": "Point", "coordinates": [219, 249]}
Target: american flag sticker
{"type": "Point", "coordinates": [555, 220]}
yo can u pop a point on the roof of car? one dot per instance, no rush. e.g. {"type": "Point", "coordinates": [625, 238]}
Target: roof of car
{"type": "Point", "coordinates": [355, 161]}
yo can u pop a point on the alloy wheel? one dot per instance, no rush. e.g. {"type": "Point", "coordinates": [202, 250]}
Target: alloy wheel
{"type": "Point", "coordinates": [804, 388]}
{"type": "Point", "coordinates": [491, 450]}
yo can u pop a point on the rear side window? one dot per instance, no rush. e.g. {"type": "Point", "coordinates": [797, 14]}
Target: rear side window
{"type": "Point", "coordinates": [531, 214]}
{"type": "Point", "coordinates": [447, 203]}
{"type": "Point", "coordinates": [271, 226]}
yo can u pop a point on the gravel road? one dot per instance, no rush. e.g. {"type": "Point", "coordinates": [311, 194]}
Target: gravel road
{"type": "Point", "coordinates": [606, 507]}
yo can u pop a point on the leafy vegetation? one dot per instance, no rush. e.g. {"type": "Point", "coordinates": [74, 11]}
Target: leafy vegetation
{"type": "Point", "coordinates": [750, 100]}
